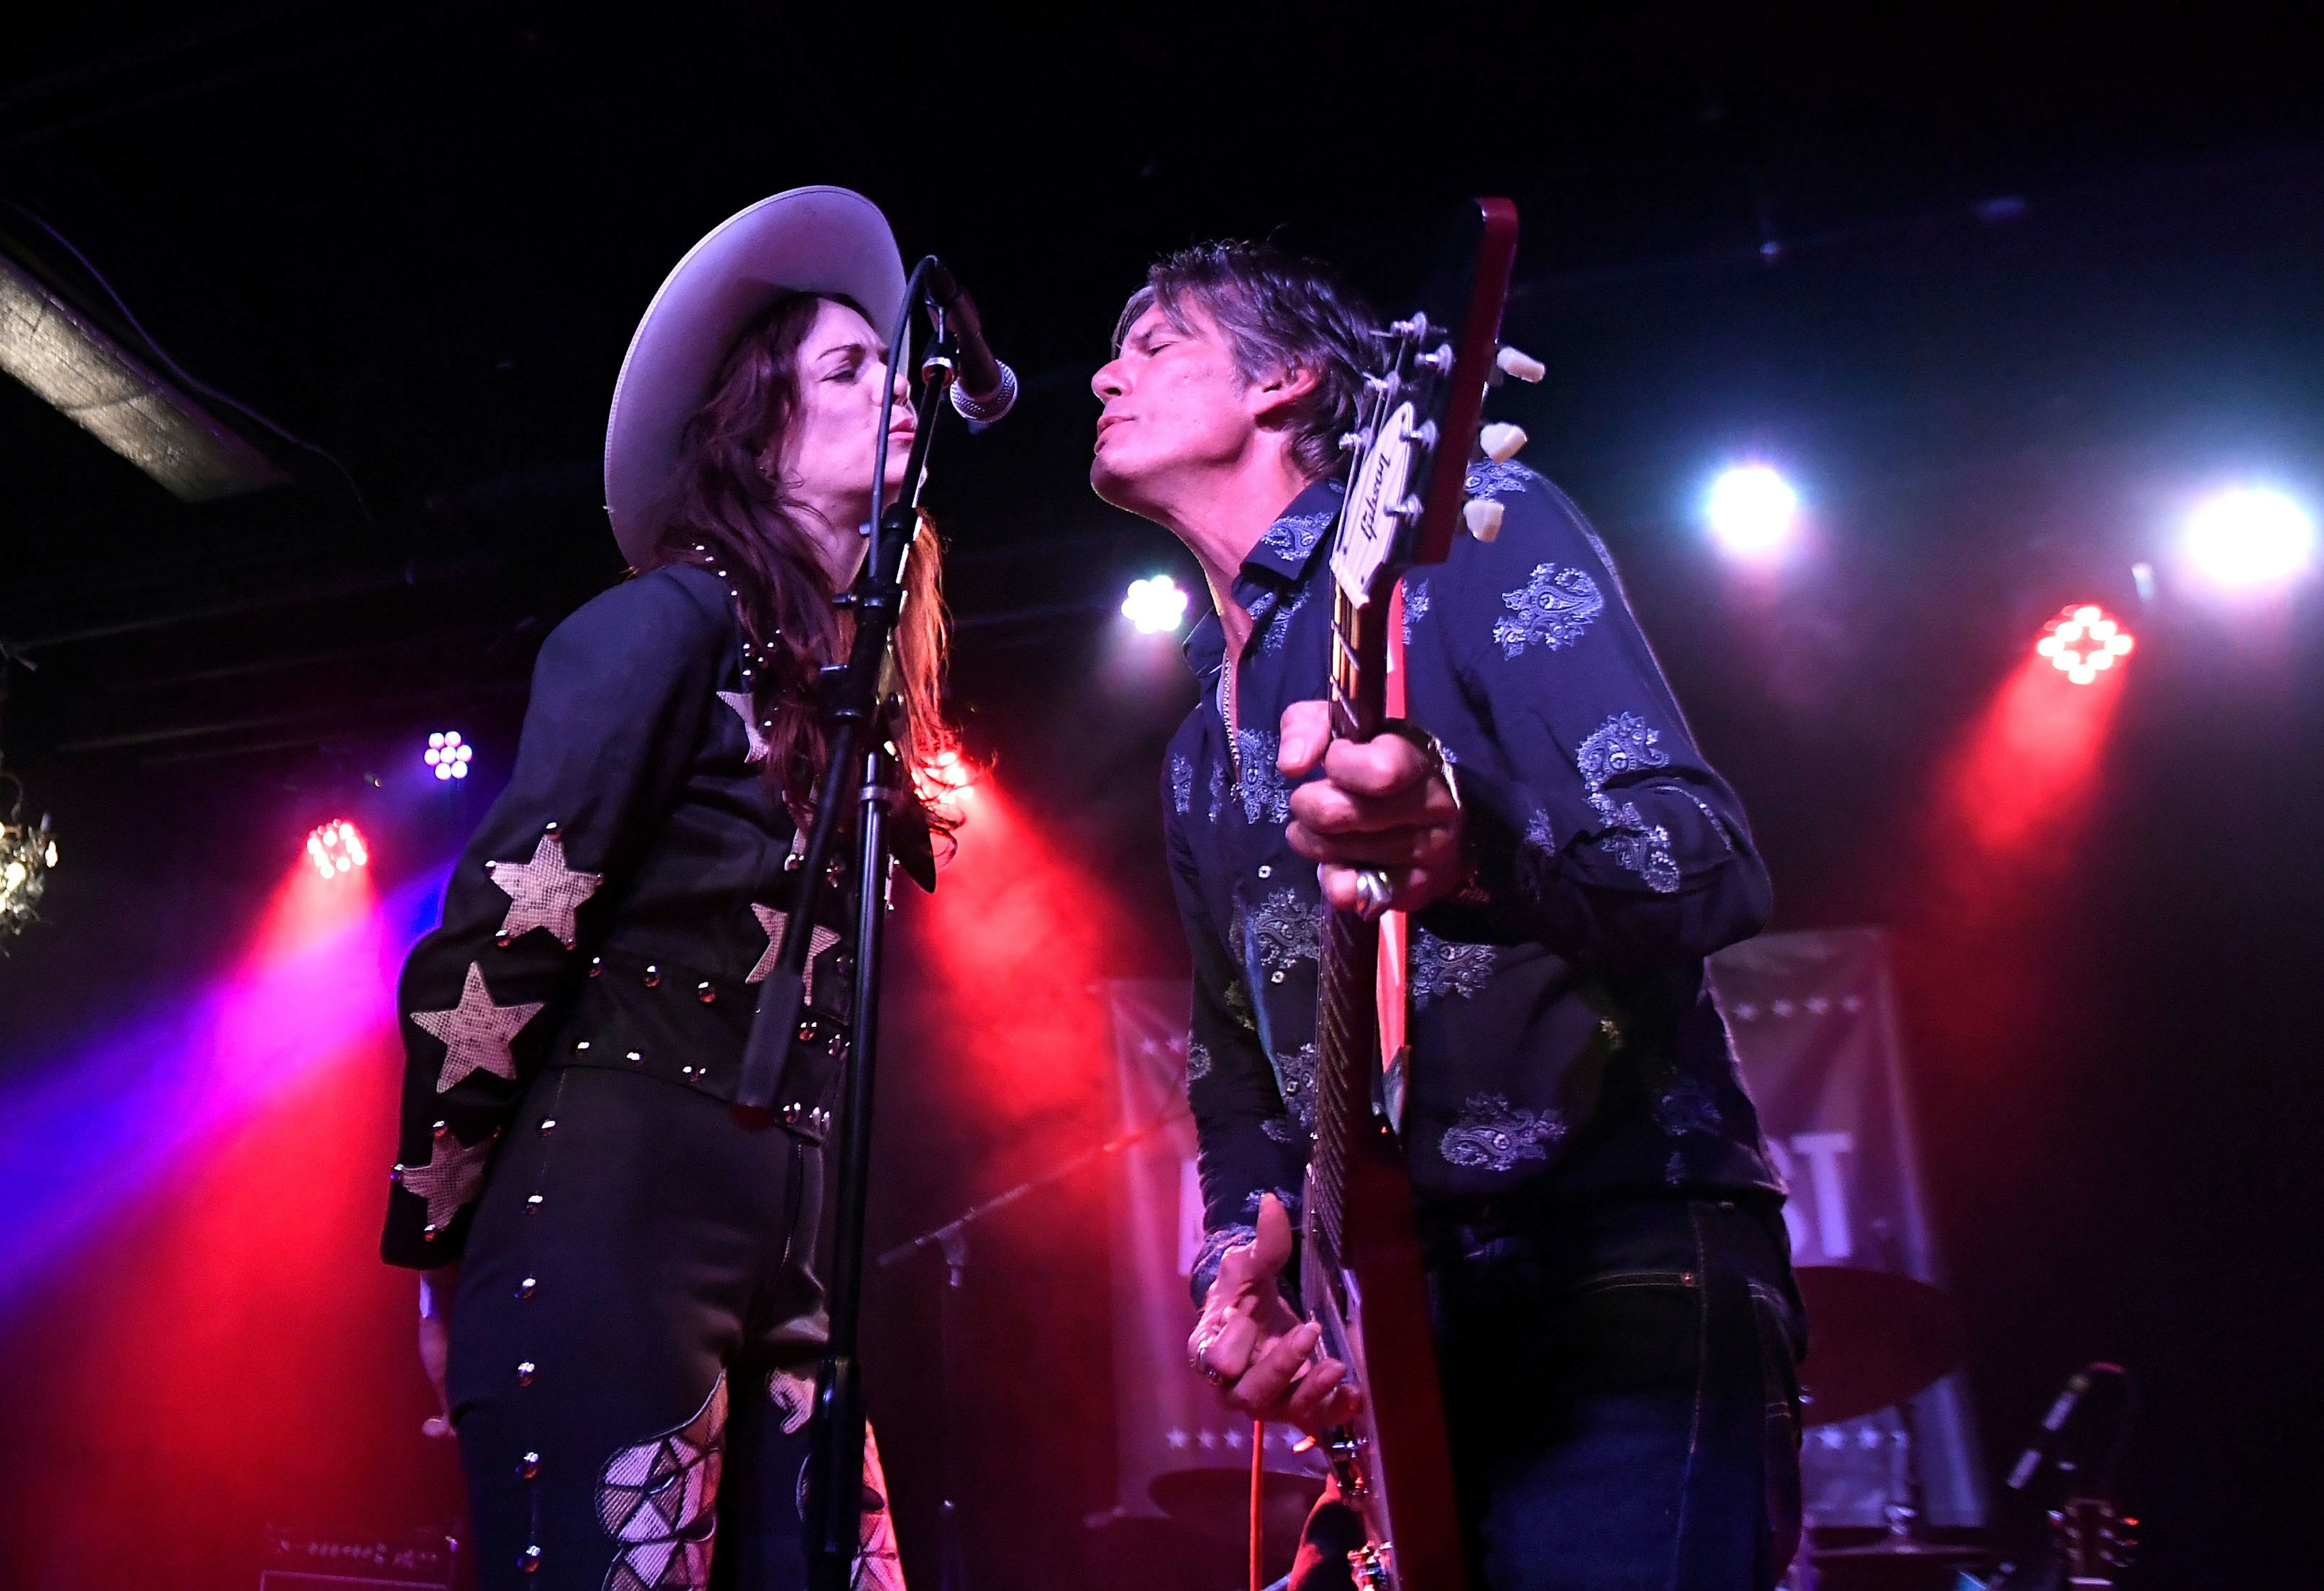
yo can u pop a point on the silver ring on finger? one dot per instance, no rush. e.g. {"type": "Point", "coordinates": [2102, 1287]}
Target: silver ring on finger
{"type": "Point", "coordinates": [1373, 892]}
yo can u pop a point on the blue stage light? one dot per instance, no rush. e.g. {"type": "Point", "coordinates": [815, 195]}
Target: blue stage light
{"type": "Point", "coordinates": [1155, 605]}
{"type": "Point", "coordinates": [1753, 512]}
{"type": "Point", "coordinates": [2249, 537]}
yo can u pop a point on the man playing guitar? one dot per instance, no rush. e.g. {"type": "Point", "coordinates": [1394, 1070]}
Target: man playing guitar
{"type": "Point", "coordinates": [1613, 1309]}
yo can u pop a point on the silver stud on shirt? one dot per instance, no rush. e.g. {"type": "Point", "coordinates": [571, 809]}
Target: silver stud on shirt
{"type": "Point", "coordinates": [524, 1371]}
{"type": "Point", "coordinates": [532, 1204]}
{"type": "Point", "coordinates": [524, 1287]}
{"type": "Point", "coordinates": [529, 1467]}
{"type": "Point", "coordinates": [654, 977]}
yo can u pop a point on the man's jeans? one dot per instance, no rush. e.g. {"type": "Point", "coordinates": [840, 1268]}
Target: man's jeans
{"type": "Point", "coordinates": [1623, 1399]}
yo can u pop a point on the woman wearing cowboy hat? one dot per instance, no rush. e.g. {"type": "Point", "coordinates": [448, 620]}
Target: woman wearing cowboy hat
{"type": "Point", "coordinates": [618, 1272]}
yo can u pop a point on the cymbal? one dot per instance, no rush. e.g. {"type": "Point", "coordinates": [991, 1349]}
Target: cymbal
{"type": "Point", "coordinates": [1874, 1338]}
{"type": "Point", "coordinates": [1217, 1501]}
{"type": "Point", "coordinates": [1897, 1547]}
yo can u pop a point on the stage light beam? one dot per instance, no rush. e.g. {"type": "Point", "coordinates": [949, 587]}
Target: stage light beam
{"type": "Point", "coordinates": [1155, 605]}
{"type": "Point", "coordinates": [2248, 538]}
{"type": "Point", "coordinates": [1753, 513]}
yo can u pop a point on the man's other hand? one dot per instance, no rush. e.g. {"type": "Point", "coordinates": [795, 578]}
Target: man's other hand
{"type": "Point", "coordinates": [1383, 804]}
{"type": "Point", "coordinates": [1258, 1352]}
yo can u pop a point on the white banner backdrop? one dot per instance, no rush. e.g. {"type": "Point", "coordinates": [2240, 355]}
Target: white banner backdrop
{"type": "Point", "coordinates": [1814, 1016]}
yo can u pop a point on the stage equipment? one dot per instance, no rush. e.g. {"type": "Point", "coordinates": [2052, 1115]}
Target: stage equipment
{"type": "Point", "coordinates": [28, 851]}
{"type": "Point", "coordinates": [2249, 538]}
{"type": "Point", "coordinates": [2083, 642]}
{"type": "Point", "coordinates": [117, 397]}
{"type": "Point", "coordinates": [337, 848]}
{"type": "Point", "coordinates": [858, 702]}
{"type": "Point", "coordinates": [1752, 512]}
{"type": "Point", "coordinates": [449, 754]}
{"type": "Point", "coordinates": [1417, 429]}
{"type": "Point", "coordinates": [1880, 1338]}
{"type": "Point", "coordinates": [1155, 605]}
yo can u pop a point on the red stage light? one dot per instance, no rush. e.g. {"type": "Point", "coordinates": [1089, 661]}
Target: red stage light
{"type": "Point", "coordinates": [2083, 642]}
{"type": "Point", "coordinates": [945, 781]}
{"type": "Point", "coordinates": [337, 848]}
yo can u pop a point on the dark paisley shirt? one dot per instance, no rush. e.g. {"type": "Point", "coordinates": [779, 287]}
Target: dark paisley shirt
{"type": "Point", "coordinates": [1564, 1044]}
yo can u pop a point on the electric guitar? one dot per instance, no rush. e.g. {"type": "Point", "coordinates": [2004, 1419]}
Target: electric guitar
{"type": "Point", "coordinates": [1417, 429]}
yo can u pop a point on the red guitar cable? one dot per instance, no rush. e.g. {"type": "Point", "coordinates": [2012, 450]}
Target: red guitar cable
{"type": "Point", "coordinates": [1258, 1495]}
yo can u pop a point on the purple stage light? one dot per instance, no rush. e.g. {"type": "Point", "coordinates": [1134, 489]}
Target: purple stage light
{"type": "Point", "coordinates": [449, 754]}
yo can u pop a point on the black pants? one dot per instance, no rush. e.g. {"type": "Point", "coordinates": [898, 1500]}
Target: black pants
{"type": "Point", "coordinates": [634, 1344]}
{"type": "Point", "coordinates": [1622, 1401]}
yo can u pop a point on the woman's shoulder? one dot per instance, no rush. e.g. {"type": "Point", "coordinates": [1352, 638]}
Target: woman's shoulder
{"type": "Point", "coordinates": [672, 613]}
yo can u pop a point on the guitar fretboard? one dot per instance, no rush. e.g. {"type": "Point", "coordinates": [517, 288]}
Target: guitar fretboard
{"type": "Point", "coordinates": [1347, 1013]}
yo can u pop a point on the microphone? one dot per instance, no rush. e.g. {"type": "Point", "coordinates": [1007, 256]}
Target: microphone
{"type": "Point", "coordinates": [987, 388]}
{"type": "Point", "coordinates": [2059, 1412]}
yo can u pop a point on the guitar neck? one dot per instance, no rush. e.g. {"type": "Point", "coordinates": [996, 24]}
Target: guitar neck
{"type": "Point", "coordinates": [1347, 1013]}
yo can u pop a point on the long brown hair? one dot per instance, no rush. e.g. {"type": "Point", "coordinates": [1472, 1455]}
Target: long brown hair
{"type": "Point", "coordinates": [728, 515]}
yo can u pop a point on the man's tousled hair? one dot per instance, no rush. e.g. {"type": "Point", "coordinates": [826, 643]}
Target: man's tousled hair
{"type": "Point", "coordinates": [1281, 313]}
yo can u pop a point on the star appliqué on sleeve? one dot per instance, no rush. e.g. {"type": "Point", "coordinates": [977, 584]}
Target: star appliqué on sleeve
{"type": "Point", "coordinates": [819, 939]}
{"type": "Point", "coordinates": [739, 701]}
{"type": "Point", "coordinates": [454, 1173]}
{"type": "Point", "coordinates": [477, 1032]}
{"type": "Point", "coordinates": [543, 893]}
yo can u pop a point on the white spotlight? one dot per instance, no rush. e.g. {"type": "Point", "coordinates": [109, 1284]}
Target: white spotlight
{"type": "Point", "coordinates": [2250, 537]}
{"type": "Point", "coordinates": [1753, 512]}
{"type": "Point", "coordinates": [1155, 605]}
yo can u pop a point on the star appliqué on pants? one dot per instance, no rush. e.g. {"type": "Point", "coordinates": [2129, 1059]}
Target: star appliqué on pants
{"type": "Point", "coordinates": [477, 1032]}
{"type": "Point", "coordinates": [739, 701]}
{"type": "Point", "coordinates": [543, 893]}
{"type": "Point", "coordinates": [454, 1173]}
{"type": "Point", "coordinates": [819, 939]}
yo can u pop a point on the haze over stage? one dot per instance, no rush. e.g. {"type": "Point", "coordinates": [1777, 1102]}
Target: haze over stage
{"type": "Point", "coordinates": [2018, 308]}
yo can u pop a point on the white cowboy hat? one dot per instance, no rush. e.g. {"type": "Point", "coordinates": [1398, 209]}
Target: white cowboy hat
{"type": "Point", "coordinates": [808, 240]}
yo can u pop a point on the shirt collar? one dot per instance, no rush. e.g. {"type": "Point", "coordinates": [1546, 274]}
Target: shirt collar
{"type": "Point", "coordinates": [1299, 530]}
{"type": "Point", "coordinates": [1283, 553]}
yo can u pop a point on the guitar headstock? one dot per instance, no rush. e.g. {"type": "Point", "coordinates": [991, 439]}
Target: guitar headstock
{"type": "Point", "coordinates": [1419, 419]}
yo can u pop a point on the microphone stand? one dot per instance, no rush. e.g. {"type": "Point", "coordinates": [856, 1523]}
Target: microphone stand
{"type": "Point", "coordinates": [782, 1060]}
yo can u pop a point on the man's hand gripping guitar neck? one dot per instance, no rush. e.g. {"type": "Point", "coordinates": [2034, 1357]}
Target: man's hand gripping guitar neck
{"type": "Point", "coordinates": [1255, 1350]}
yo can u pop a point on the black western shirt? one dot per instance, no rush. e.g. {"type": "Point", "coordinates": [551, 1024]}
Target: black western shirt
{"type": "Point", "coordinates": [1564, 1044]}
{"type": "Point", "coordinates": [619, 904]}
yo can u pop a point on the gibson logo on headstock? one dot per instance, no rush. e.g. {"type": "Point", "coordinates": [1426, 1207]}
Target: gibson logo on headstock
{"type": "Point", "coordinates": [1377, 507]}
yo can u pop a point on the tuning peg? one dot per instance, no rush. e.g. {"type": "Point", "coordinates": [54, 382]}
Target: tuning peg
{"type": "Point", "coordinates": [1482, 515]}
{"type": "Point", "coordinates": [1502, 441]}
{"type": "Point", "coordinates": [1516, 361]}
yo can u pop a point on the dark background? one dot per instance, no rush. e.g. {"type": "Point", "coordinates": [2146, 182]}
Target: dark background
{"type": "Point", "coordinates": [2002, 286]}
